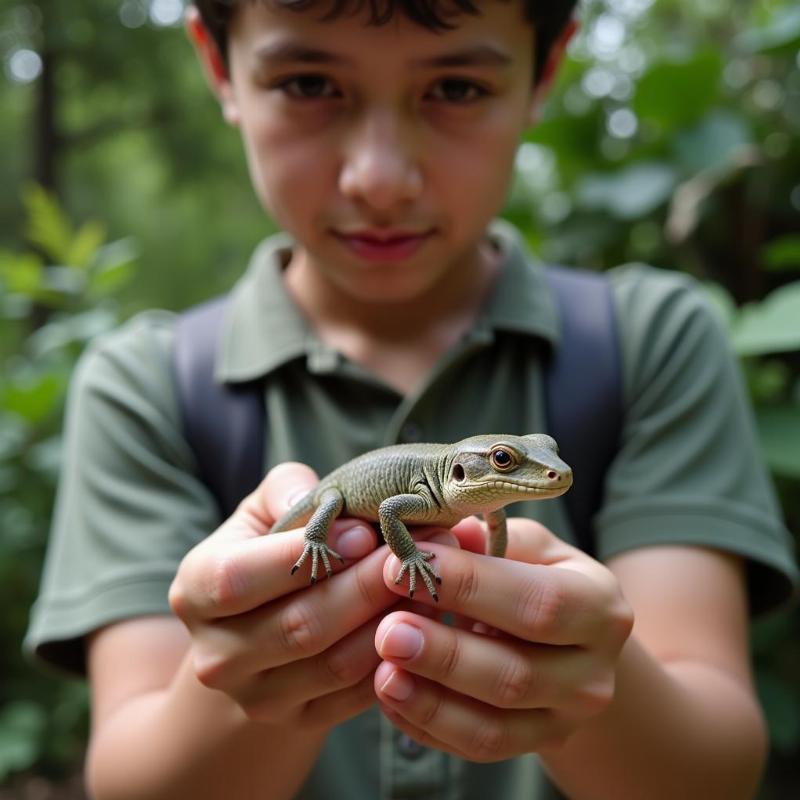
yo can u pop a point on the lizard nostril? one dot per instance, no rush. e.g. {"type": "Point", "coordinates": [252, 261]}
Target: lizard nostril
{"type": "Point", "coordinates": [552, 474]}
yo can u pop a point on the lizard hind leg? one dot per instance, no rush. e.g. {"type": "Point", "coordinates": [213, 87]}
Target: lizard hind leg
{"type": "Point", "coordinates": [330, 506]}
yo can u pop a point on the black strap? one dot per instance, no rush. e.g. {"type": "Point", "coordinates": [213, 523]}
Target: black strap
{"type": "Point", "coordinates": [224, 424]}
{"type": "Point", "coordinates": [583, 390]}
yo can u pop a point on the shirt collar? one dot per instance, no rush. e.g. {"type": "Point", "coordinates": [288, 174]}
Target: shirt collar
{"type": "Point", "coordinates": [264, 329]}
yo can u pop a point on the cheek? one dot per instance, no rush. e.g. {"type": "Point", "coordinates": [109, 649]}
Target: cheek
{"type": "Point", "coordinates": [284, 170]}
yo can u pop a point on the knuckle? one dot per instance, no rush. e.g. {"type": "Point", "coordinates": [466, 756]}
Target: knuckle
{"type": "Point", "coordinates": [622, 617]}
{"type": "Point", "coordinates": [300, 630]}
{"type": "Point", "coordinates": [488, 742]}
{"type": "Point", "coordinates": [515, 683]}
{"type": "Point", "coordinates": [341, 670]}
{"type": "Point", "coordinates": [541, 607]}
{"type": "Point", "coordinates": [213, 671]}
{"type": "Point", "coordinates": [451, 655]}
{"type": "Point", "coordinates": [596, 697]}
{"type": "Point", "coordinates": [431, 710]}
{"type": "Point", "coordinates": [465, 585]}
{"type": "Point", "coordinates": [224, 581]}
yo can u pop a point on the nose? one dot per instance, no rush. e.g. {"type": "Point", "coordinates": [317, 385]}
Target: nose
{"type": "Point", "coordinates": [559, 477]}
{"type": "Point", "coordinates": [380, 168]}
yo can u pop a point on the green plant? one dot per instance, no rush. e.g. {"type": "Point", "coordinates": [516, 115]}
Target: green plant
{"type": "Point", "coordinates": [54, 298]}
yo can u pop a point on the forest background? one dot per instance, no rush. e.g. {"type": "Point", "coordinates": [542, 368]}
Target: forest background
{"type": "Point", "coordinates": [673, 137]}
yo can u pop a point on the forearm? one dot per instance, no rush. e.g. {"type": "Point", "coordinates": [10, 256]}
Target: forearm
{"type": "Point", "coordinates": [678, 730]}
{"type": "Point", "coordinates": [190, 741]}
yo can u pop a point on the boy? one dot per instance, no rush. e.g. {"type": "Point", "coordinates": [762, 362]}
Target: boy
{"type": "Point", "coordinates": [397, 311]}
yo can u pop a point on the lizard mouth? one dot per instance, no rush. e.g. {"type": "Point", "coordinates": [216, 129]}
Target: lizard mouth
{"type": "Point", "coordinates": [521, 488]}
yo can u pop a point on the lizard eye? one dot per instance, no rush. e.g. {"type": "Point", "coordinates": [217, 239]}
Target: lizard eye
{"type": "Point", "coordinates": [502, 460]}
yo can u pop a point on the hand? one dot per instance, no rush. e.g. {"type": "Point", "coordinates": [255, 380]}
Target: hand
{"type": "Point", "coordinates": [537, 663]}
{"type": "Point", "coordinates": [284, 651]}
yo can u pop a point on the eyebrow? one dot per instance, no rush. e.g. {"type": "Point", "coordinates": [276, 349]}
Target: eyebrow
{"type": "Point", "coordinates": [289, 52]}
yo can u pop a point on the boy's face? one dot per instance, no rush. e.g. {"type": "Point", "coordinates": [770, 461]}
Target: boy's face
{"type": "Point", "coordinates": [384, 151]}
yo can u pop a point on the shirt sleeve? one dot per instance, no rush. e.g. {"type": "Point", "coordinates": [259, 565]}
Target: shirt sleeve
{"type": "Point", "coordinates": [128, 505]}
{"type": "Point", "coordinates": [689, 469]}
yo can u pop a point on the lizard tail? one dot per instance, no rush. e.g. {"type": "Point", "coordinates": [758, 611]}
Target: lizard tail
{"type": "Point", "coordinates": [297, 515]}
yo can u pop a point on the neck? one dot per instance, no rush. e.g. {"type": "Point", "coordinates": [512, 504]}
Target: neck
{"type": "Point", "coordinates": [401, 340]}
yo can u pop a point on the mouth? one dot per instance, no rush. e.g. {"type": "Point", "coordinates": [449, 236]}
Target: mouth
{"type": "Point", "coordinates": [384, 245]}
{"type": "Point", "coordinates": [553, 490]}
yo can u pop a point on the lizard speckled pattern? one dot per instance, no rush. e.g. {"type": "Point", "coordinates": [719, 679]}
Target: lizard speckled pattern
{"type": "Point", "coordinates": [429, 484]}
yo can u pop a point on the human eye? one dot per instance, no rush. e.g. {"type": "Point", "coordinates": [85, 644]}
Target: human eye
{"type": "Point", "coordinates": [310, 86]}
{"type": "Point", "coordinates": [458, 91]}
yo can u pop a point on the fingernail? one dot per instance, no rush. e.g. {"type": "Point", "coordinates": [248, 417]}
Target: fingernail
{"type": "Point", "coordinates": [401, 641]}
{"type": "Point", "coordinates": [399, 686]}
{"type": "Point", "coordinates": [354, 542]}
{"type": "Point", "coordinates": [296, 497]}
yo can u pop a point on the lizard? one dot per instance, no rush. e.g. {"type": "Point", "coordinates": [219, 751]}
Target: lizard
{"type": "Point", "coordinates": [431, 484]}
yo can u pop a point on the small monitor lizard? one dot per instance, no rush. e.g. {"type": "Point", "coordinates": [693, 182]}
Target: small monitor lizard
{"type": "Point", "coordinates": [428, 484]}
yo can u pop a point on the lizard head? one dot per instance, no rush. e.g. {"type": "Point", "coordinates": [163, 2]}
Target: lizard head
{"type": "Point", "coordinates": [488, 472]}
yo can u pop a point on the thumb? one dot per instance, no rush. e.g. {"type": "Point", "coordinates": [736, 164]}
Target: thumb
{"type": "Point", "coordinates": [282, 487]}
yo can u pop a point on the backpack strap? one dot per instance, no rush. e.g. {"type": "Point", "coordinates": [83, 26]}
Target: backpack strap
{"type": "Point", "coordinates": [224, 424]}
{"type": "Point", "coordinates": [583, 390]}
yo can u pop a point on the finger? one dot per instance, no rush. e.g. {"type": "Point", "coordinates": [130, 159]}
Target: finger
{"type": "Point", "coordinates": [338, 707]}
{"type": "Point", "coordinates": [478, 731]}
{"type": "Point", "coordinates": [296, 627]}
{"type": "Point", "coordinates": [274, 695]}
{"type": "Point", "coordinates": [498, 671]}
{"type": "Point", "coordinates": [282, 487]}
{"type": "Point", "coordinates": [537, 603]}
{"type": "Point", "coordinates": [221, 578]}
{"type": "Point", "coordinates": [471, 534]}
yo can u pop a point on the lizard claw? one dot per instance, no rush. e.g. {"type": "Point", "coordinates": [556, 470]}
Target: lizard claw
{"type": "Point", "coordinates": [317, 550]}
{"type": "Point", "coordinates": [418, 562]}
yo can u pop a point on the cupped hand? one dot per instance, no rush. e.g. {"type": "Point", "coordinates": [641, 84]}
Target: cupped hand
{"type": "Point", "coordinates": [283, 650]}
{"type": "Point", "coordinates": [537, 662]}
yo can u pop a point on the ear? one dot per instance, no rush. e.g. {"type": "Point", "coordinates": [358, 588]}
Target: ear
{"type": "Point", "coordinates": [214, 67]}
{"type": "Point", "coordinates": [554, 58]}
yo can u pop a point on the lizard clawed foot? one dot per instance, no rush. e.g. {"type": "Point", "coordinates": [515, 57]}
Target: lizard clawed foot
{"type": "Point", "coordinates": [418, 562]}
{"type": "Point", "coordinates": [318, 550]}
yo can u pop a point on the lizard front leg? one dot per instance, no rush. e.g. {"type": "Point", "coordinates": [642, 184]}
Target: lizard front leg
{"type": "Point", "coordinates": [330, 506]}
{"type": "Point", "coordinates": [402, 545]}
{"type": "Point", "coordinates": [498, 532]}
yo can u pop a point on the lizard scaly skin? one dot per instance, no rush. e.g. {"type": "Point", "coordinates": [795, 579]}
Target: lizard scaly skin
{"type": "Point", "coordinates": [428, 484]}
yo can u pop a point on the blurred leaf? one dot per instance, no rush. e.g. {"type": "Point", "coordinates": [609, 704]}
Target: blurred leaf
{"type": "Point", "coordinates": [779, 429]}
{"type": "Point", "coordinates": [713, 140]}
{"type": "Point", "coordinates": [31, 396]}
{"type": "Point", "coordinates": [85, 245]}
{"type": "Point", "coordinates": [48, 227]}
{"type": "Point", "coordinates": [782, 253]}
{"type": "Point", "coordinates": [21, 274]}
{"type": "Point", "coordinates": [771, 326]}
{"type": "Point", "coordinates": [630, 193]}
{"type": "Point", "coordinates": [782, 33]}
{"type": "Point", "coordinates": [674, 93]}
{"type": "Point", "coordinates": [65, 330]}
{"type": "Point", "coordinates": [21, 727]}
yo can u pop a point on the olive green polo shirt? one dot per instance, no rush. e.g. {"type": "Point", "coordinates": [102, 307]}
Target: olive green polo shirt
{"type": "Point", "coordinates": [130, 505]}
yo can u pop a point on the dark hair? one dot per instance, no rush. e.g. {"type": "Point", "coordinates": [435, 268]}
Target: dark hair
{"type": "Point", "coordinates": [548, 17]}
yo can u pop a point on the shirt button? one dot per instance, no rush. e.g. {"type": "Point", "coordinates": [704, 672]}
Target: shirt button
{"type": "Point", "coordinates": [411, 432]}
{"type": "Point", "coordinates": [409, 748]}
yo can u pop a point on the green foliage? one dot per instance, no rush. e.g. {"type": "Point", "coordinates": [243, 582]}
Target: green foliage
{"type": "Point", "coordinates": [53, 299]}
